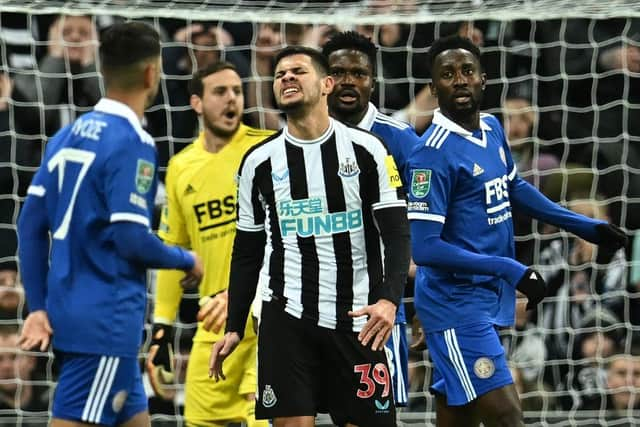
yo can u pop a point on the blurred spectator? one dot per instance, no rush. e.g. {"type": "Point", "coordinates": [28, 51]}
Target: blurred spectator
{"type": "Point", "coordinates": [269, 40]}
{"type": "Point", "coordinates": [16, 375]}
{"type": "Point", "coordinates": [18, 160]}
{"type": "Point", "coordinates": [582, 275]}
{"type": "Point", "coordinates": [172, 121]}
{"type": "Point", "coordinates": [18, 36]}
{"type": "Point", "coordinates": [527, 355]}
{"type": "Point", "coordinates": [67, 83]}
{"type": "Point", "coordinates": [623, 383]}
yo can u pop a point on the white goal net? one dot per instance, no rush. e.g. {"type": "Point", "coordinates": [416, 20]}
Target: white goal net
{"type": "Point", "coordinates": [564, 77]}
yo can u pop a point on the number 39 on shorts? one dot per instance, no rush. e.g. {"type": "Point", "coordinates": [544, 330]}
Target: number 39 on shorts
{"type": "Point", "coordinates": [370, 378]}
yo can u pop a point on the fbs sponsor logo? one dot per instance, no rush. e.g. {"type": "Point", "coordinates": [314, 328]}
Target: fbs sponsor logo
{"type": "Point", "coordinates": [269, 398]}
{"type": "Point", "coordinates": [382, 406]}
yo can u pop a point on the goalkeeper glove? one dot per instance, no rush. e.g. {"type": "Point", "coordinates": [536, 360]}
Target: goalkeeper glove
{"type": "Point", "coordinates": [533, 286]}
{"type": "Point", "coordinates": [611, 236]}
{"type": "Point", "coordinates": [160, 361]}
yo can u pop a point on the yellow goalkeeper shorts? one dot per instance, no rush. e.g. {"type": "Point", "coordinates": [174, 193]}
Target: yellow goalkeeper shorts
{"type": "Point", "coordinates": [208, 402]}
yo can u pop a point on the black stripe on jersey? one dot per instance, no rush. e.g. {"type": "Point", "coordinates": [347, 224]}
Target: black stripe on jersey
{"type": "Point", "coordinates": [370, 194]}
{"type": "Point", "coordinates": [255, 147]}
{"type": "Point", "coordinates": [220, 224]}
{"type": "Point", "coordinates": [341, 241]}
{"type": "Point", "coordinates": [309, 263]}
{"type": "Point", "coordinates": [276, 263]}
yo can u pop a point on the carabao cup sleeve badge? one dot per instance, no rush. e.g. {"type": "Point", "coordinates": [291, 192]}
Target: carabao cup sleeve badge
{"type": "Point", "coordinates": [420, 182]}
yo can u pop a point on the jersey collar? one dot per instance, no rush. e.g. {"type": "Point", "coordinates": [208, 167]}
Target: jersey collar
{"type": "Point", "coordinates": [440, 119]}
{"type": "Point", "coordinates": [117, 108]}
{"type": "Point", "coordinates": [370, 116]}
{"type": "Point", "coordinates": [322, 138]}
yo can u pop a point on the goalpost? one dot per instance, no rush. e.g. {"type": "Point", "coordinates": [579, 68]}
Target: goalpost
{"type": "Point", "coordinates": [555, 55]}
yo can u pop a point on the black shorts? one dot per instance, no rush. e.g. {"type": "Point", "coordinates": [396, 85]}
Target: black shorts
{"type": "Point", "coordinates": [304, 369]}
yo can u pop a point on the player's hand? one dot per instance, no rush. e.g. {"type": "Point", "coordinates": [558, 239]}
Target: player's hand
{"type": "Point", "coordinates": [192, 279]}
{"type": "Point", "coordinates": [220, 351]}
{"type": "Point", "coordinates": [611, 236]}
{"type": "Point", "coordinates": [533, 286]}
{"type": "Point", "coordinates": [378, 328]}
{"type": "Point", "coordinates": [160, 361]}
{"type": "Point", "coordinates": [213, 311]}
{"type": "Point", "coordinates": [36, 331]}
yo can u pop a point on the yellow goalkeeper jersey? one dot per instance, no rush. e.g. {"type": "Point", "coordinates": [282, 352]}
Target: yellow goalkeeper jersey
{"type": "Point", "coordinates": [200, 214]}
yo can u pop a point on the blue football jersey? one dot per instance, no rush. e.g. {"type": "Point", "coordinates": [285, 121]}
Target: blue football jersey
{"type": "Point", "coordinates": [97, 171]}
{"type": "Point", "coordinates": [461, 179]}
{"type": "Point", "coordinates": [400, 139]}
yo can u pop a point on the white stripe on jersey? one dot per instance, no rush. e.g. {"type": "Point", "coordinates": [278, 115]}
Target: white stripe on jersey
{"type": "Point", "coordinates": [129, 217]}
{"type": "Point", "coordinates": [455, 356]}
{"type": "Point", "coordinates": [426, 217]}
{"type": "Point", "coordinates": [498, 208]}
{"type": "Point", "coordinates": [434, 135]}
{"type": "Point", "coordinates": [37, 190]}
{"type": "Point", "coordinates": [388, 120]}
{"type": "Point", "coordinates": [443, 139]}
{"type": "Point", "coordinates": [513, 173]}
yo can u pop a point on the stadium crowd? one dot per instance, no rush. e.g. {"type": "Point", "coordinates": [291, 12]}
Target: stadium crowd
{"type": "Point", "coordinates": [572, 118]}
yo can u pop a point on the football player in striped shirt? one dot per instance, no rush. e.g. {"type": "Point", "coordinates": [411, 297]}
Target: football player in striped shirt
{"type": "Point", "coordinates": [352, 64]}
{"type": "Point", "coordinates": [462, 186]}
{"type": "Point", "coordinates": [200, 214]}
{"type": "Point", "coordinates": [93, 196]}
{"type": "Point", "coordinates": [322, 226]}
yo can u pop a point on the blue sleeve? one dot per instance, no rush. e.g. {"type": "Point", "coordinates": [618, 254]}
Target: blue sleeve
{"type": "Point", "coordinates": [33, 250]}
{"type": "Point", "coordinates": [136, 243]}
{"type": "Point", "coordinates": [428, 249]}
{"type": "Point", "coordinates": [526, 198]}
{"type": "Point", "coordinates": [131, 180]}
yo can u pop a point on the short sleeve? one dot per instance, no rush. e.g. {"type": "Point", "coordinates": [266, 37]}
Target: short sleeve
{"type": "Point", "coordinates": [131, 181]}
{"type": "Point", "coordinates": [389, 183]}
{"type": "Point", "coordinates": [429, 181]}
{"type": "Point", "coordinates": [172, 224]}
{"type": "Point", "coordinates": [251, 212]}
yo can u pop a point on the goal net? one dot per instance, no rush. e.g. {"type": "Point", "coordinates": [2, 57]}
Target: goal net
{"type": "Point", "coordinates": [564, 78]}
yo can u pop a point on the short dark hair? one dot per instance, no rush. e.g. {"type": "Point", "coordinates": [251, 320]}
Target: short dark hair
{"type": "Point", "coordinates": [195, 84]}
{"type": "Point", "coordinates": [317, 58]}
{"type": "Point", "coordinates": [124, 46]}
{"type": "Point", "coordinates": [450, 42]}
{"type": "Point", "coordinates": [352, 40]}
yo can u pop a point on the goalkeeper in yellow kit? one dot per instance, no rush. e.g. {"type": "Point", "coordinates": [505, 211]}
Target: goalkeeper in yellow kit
{"type": "Point", "coordinates": [201, 215]}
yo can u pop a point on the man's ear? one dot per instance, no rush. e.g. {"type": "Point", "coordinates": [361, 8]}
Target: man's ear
{"type": "Point", "coordinates": [484, 80]}
{"type": "Point", "coordinates": [327, 85]}
{"type": "Point", "coordinates": [433, 90]}
{"type": "Point", "coordinates": [196, 104]}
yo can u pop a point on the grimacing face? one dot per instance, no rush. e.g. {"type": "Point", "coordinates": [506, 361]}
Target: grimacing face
{"type": "Point", "coordinates": [222, 102]}
{"type": "Point", "coordinates": [296, 83]}
{"type": "Point", "coordinates": [457, 82]}
{"type": "Point", "coordinates": [353, 75]}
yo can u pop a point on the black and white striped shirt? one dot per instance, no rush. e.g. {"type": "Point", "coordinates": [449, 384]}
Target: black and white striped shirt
{"type": "Point", "coordinates": [315, 201]}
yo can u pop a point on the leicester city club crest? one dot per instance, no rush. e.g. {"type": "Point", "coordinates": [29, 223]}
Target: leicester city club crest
{"type": "Point", "coordinates": [420, 182]}
{"type": "Point", "coordinates": [144, 176]}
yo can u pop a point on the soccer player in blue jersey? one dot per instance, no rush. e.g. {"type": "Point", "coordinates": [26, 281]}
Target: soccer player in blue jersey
{"type": "Point", "coordinates": [352, 59]}
{"type": "Point", "coordinates": [462, 187]}
{"type": "Point", "coordinates": [93, 196]}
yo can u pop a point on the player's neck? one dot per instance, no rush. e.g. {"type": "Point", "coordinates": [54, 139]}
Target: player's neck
{"type": "Point", "coordinates": [134, 100]}
{"type": "Point", "coordinates": [310, 125]}
{"type": "Point", "coordinates": [352, 119]}
{"type": "Point", "coordinates": [214, 143]}
{"type": "Point", "coordinates": [469, 121]}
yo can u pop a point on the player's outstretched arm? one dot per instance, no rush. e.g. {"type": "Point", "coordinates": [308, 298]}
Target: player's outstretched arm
{"type": "Point", "coordinates": [36, 331]}
{"type": "Point", "coordinates": [526, 198]}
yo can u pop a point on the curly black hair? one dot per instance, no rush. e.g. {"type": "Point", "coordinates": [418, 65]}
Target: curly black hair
{"type": "Point", "coordinates": [352, 40]}
{"type": "Point", "coordinates": [450, 42]}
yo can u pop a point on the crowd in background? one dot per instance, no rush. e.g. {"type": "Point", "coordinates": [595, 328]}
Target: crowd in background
{"type": "Point", "coordinates": [567, 92]}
